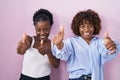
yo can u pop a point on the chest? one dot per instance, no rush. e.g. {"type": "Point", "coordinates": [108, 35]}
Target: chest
{"type": "Point", "coordinates": [82, 48]}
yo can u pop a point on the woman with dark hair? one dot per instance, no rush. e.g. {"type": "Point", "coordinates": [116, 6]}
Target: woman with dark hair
{"type": "Point", "coordinates": [85, 54]}
{"type": "Point", "coordinates": [36, 49]}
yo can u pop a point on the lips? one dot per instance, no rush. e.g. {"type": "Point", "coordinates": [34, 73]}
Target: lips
{"type": "Point", "coordinates": [42, 37]}
{"type": "Point", "coordinates": [86, 34]}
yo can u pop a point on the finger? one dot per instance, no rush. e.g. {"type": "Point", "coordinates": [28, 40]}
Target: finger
{"type": "Point", "coordinates": [57, 39]}
{"type": "Point", "coordinates": [54, 39]}
{"type": "Point", "coordinates": [42, 50]}
{"type": "Point", "coordinates": [24, 37]}
{"type": "Point", "coordinates": [106, 38]}
{"type": "Point", "coordinates": [109, 45]}
{"type": "Point", "coordinates": [41, 43]}
{"type": "Point", "coordinates": [112, 48]}
{"type": "Point", "coordinates": [19, 44]}
{"type": "Point", "coordinates": [62, 30]}
{"type": "Point", "coordinates": [113, 51]}
{"type": "Point", "coordinates": [59, 36]}
{"type": "Point", "coordinates": [106, 35]}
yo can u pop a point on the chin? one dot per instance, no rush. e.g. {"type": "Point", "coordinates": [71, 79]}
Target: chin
{"type": "Point", "coordinates": [87, 37]}
{"type": "Point", "coordinates": [44, 39]}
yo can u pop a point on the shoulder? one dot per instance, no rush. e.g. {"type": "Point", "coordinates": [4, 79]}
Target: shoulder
{"type": "Point", "coordinates": [72, 38]}
{"type": "Point", "coordinates": [99, 41]}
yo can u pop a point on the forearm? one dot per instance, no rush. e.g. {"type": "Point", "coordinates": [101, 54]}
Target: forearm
{"type": "Point", "coordinates": [53, 60]}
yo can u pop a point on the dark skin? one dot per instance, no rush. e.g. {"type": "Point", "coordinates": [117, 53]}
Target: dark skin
{"type": "Point", "coordinates": [24, 44]}
{"type": "Point", "coordinates": [86, 31]}
{"type": "Point", "coordinates": [42, 43]}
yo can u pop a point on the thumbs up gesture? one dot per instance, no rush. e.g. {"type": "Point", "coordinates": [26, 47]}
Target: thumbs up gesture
{"type": "Point", "coordinates": [41, 43]}
{"type": "Point", "coordinates": [42, 49]}
{"type": "Point", "coordinates": [58, 38]}
{"type": "Point", "coordinates": [109, 44]}
{"type": "Point", "coordinates": [24, 44]}
{"type": "Point", "coordinates": [25, 40]}
{"type": "Point", "coordinates": [45, 47]}
{"type": "Point", "coordinates": [24, 37]}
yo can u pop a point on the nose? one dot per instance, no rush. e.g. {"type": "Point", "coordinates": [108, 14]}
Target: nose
{"type": "Point", "coordinates": [87, 28]}
{"type": "Point", "coordinates": [42, 32]}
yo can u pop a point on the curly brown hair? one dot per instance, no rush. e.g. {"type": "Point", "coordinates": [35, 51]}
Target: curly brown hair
{"type": "Point", "coordinates": [88, 15]}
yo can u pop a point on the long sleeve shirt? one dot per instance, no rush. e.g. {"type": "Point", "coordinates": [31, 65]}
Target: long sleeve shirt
{"type": "Point", "coordinates": [82, 58]}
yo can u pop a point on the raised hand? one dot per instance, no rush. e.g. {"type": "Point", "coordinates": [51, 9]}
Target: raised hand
{"type": "Point", "coordinates": [109, 44]}
{"type": "Point", "coordinates": [24, 37]}
{"type": "Point", "coordinates": [44, 48]}
{"type": "Point", "coordinates": [58, 38]}
{"type": "Point", "coordinates": [24, 44]}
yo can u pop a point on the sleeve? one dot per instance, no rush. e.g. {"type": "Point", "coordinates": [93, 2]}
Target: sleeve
{"type": "Point", "coordinates": [64, 53]}
{"type": "Point", "coordinates": [105, 53]}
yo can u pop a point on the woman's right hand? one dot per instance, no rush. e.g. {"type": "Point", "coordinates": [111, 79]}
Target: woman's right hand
{"type": "Point", "coordinates": [23, 44]}
{"type": "Point", "coordinates": [58, 38]}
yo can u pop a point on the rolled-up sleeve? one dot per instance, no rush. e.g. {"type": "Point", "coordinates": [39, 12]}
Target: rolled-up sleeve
{"type": "Point", "coordinates": [64, 53]}
{"type": "Point", "coordinates": [105, 53]}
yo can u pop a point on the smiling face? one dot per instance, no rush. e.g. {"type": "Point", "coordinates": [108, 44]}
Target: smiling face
{"type": "Point", "coordinates": [86, 30]}
{"type": "Point", "coordinates": [42, 29]}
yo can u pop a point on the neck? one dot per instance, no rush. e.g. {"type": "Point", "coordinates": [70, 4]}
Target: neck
{"type": "Point", "coordinates": [88, 40]}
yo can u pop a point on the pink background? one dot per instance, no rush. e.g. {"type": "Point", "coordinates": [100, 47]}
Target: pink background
{"type": "Point", "coordinates": [16, 18]}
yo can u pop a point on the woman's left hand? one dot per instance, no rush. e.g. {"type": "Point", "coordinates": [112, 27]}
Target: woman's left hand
{"type": "Point", "coordinates": [109, 44]}
{"type": "Point", "coordinates": [44, 49]}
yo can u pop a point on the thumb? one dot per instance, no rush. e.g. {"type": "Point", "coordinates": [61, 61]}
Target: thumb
{"type": "Point", "coordinates": [59, 36]}
{"type": "Point", "coordinates": [41, 43]}
{"type": "Point", "coordinates": [106, 35]}
{"type": "Point", "coordinates": [24, 37]}
{"type": "Point", "coordinates": [62, 30]}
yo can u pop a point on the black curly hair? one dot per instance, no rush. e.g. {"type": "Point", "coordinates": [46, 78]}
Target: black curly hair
{"type": "Point", "coordinates": [43, 15]}
{"type": "Point", "coordinates": [88, 15]}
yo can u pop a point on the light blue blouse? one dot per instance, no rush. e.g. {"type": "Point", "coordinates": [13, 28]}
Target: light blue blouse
{"type": "Point", "coordinates": [85, 59]}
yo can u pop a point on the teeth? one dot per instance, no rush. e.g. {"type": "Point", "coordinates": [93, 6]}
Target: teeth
{"type": "Point", "coordinates": [42, 36]}
{"type": "Point", "coordinates": [86, 33]}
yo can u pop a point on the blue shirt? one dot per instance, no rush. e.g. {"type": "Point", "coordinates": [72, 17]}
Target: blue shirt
{"type": "Point", "coordinates": [83, 58]}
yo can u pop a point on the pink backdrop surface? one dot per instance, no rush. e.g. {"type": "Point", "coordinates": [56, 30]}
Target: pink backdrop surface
{"type": "Point", "coordinates": [16, 18]}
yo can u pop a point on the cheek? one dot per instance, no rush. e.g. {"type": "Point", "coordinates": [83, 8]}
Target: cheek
{"type": "Point", "coordinates": [48, 33]}
{"type": "Point", "coordinates": [80, 30]}
{"type": "Point", "coordinates": [38, 33]}
{"type": "Point", "coordinates": [92, 30]}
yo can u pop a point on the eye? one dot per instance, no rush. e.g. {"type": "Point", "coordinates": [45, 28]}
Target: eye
{"type": "Point", "coordinates": [82, 26]}
{"type": "Point", "coordinates": [91, 26]}
{"type": "Point", "coordinates": [46, 29]}
{"type": "Point", "coordinates": [38, 30]}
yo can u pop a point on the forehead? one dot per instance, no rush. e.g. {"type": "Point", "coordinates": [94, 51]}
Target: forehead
{"type": "Point", "coordinates": [43, 24]}
{"type": "Point", "coordinates": [86, 22]}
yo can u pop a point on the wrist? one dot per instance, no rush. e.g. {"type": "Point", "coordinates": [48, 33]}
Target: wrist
{"type": "Point", "coordinates": [60, 45]}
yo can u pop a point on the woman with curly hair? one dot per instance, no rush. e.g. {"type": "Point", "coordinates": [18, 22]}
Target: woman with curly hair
{"type": "Point", "coordinates": [36, 49]}
{"type": "Point", "coordinates": [85, 53]}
